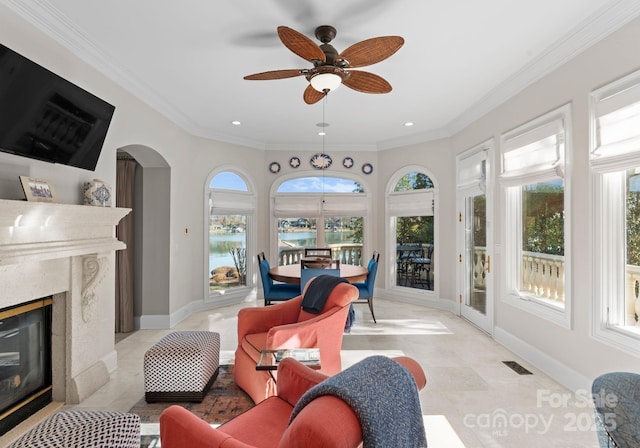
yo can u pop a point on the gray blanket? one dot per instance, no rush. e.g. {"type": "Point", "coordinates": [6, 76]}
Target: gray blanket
{"type": "Point", "coordinates": [318, 292]}
{"type": "Point", "coordinates": [384, 397]}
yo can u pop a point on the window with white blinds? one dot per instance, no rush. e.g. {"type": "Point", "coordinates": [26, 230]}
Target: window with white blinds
{"type": "Point", "coordinates": [535, 152]}
{"type": "Point", "coordinates": [536, 213]}
{"type": "Point", "coordinates": [615, 125]}
{"type": "Point", "coordinates": [472, 170]}
{"type": "Point", "coordinates": [615, 165]}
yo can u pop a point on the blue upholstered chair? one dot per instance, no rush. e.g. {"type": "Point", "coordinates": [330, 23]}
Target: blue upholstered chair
{"type": "Point", "coordinates": [616, 396]}
{"type": "Point", "coordinates": [309, 273]}
{"type": "Point", "coordinates": [306, 274]}
{"type": "Point", "coordinates": [274, 292]}
{"type": "Point", "coordinates": [366, 287]}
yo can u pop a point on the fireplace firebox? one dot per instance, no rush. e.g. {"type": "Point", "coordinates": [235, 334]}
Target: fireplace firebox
{"type": "Point", "coordinates": [25, 361]}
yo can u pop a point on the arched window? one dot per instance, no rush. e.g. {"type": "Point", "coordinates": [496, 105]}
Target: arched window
{"type": "Point", "coordinates": [319, 211]}
{"type": "Point", "coordinates": [411, 209]}
{"type": "Point", "coordinates": [231, 209]}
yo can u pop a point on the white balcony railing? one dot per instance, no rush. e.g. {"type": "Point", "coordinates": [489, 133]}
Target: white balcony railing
{"type": "Point", "coordinates": [632, 291]}
{"type": "Point", "coordinates": [542, 276]}
{"type": "Point", "coordinates": [346, 253]}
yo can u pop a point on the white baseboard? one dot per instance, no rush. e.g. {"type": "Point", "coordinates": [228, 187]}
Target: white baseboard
{"type": "Point", "coordinates": [152, 322]}
{"type": "Point", "coordinates": [110, 361]}
{"type": "Point", "coordinates": [558, 371]}
{"type": "Point", "coordinates": [164, 321]}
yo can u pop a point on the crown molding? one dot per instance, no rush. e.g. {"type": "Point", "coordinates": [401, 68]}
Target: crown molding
{"type": "Point", "coordinates": [598, 26]}
{"type": "Point", "coordinates": [44, 15]}
{"type": "Point", "coordinates": [47, 18]}
{"type": "Point", "coordinates": [414, 139]}
{"type": "Point", "coordinates": [318, 147]}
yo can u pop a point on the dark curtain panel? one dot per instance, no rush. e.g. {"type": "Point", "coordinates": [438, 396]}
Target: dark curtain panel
{"type": "Point", "coordinates": [126, 170]}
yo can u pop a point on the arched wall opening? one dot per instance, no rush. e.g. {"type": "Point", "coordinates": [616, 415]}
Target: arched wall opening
{"type": "Point", "coordinates": [152, 237]}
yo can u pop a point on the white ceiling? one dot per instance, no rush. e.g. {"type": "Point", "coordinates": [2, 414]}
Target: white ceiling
{"type": "Point", "coordinates": [187, 59]}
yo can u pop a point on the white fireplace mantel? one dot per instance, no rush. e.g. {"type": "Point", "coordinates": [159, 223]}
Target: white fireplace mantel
{"type": "Point", "coordinates": [36, 231]}
{"type": "Point", "coordinates": [65, 251]}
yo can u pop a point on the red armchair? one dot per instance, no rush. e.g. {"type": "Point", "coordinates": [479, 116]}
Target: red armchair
{"type": "Point", "coordinates": [287, 325]}
{"type": "Point", "coordinates": [327, 421]}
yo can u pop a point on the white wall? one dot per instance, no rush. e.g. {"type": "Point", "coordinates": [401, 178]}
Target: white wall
{"type": "Point", "coordinates": [571, 355]}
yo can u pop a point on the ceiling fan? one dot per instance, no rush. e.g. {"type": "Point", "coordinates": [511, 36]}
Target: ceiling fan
{"type": "Point", "coordinates": [331, 69]}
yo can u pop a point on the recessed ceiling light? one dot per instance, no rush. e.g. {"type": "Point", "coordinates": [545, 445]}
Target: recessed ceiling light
{"type": "Point", "coordinates": [235, 123]}
{"type": "Point", "coordinates": [409, 123]}
{"type": "Point", "coordinates": [322, 133]}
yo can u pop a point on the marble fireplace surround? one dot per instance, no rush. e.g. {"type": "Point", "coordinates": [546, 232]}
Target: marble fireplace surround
{"type": "Point", "coordinates": [67, 251]}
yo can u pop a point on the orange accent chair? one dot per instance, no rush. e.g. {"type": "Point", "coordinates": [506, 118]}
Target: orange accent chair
{"type": "Point", "coordinates": [287, 325]}
{"type": "Point", "coordinates": [327, 421]}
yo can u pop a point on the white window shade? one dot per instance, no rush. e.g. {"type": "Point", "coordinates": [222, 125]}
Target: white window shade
{"type": "Point", "coordinates": [232, 201]}
{"type": "Point", "coordinates": [616, 125]}
{"type": "Point", "coordinates": [472, 169]}
{"type": "Point", "coordinates": [419, 203]}
{"type": "Point", "coordinates": [534, 152]}
{"type": "Point", "coordinates": [293, 206]}
{"type": "Point", "coordinates": [345, 205]}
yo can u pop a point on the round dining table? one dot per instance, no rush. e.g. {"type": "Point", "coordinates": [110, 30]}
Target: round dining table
{"type": "Point", "coordinates": [291, 273]}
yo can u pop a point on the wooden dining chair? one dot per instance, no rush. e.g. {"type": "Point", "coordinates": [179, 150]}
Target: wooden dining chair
{"type": "Point", "coordinates": [324, 252]}
{"type": "Point", "coordinates": [319, 263]}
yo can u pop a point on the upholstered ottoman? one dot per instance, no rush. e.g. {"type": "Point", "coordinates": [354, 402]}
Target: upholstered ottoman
{"type": "Point", "coordinates": [87, 429]}
{"type": "Point", "coordinates": [182, 366]}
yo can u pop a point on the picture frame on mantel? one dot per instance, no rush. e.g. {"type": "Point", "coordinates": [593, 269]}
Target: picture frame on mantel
{"type": "Point", "coordinates": [37, 190]}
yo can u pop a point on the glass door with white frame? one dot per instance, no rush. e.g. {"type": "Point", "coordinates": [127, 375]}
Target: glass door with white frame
{"type": "Point", "coordinates": [474, 241]}
{"type": "Point", "coordinates": [476, 262]}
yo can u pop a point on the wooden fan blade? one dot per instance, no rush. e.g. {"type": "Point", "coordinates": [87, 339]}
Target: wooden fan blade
{"type": "Point", "coordinates": [366, 82]}
{"type": "Point", "coordinates": [275, 74]}
{"type": "Point", "coordinates": [311, 95]}
{"type": "Point", "coordinates": [300, 44]}
{"type": "Point", "coordinates": [371, 51]}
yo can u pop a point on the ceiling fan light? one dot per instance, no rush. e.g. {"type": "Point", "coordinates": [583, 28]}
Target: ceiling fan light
{"type": "Point", "coordinates": [325, 82]}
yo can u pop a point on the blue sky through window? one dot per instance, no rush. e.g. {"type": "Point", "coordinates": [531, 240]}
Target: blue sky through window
{"type": "Point", "coordinates": [228, 181]}
{"type": "Point", "coordinates": [315, 185]}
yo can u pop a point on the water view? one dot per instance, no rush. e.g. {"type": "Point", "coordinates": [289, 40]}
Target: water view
{"type": "Point", "coordinates": [221, 243]}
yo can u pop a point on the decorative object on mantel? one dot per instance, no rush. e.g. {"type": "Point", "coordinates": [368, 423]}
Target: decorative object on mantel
{"type": "Point", "coordinates": [347, 162]}
{"type": "Point", "coordinates": [98, 193]}
{"type": "Point", "coordinates": [321, 161]}
{"type": "Point", "coordinates": [274, 167]}
{"type": "Point", "coordinates": [294, 162]}
{"type": "Point", "coordinates": [367, 168]}
{"type": "Point", "coordinates": [37, 190]}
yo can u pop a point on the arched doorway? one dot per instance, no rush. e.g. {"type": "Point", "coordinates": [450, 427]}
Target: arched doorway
{"type": "Point", "coordinates": [150, 238]}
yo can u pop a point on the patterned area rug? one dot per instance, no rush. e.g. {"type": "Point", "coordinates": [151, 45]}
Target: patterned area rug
{"type": "Point", "coordinates": [224, 401]}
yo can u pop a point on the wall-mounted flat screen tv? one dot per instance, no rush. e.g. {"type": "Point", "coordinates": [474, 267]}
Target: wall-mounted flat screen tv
{"type": "Point", "coordinates": [45, 117]}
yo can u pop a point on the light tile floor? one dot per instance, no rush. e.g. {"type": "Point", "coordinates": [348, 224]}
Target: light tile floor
{"type": "Point", "coordinates": [471, 399]}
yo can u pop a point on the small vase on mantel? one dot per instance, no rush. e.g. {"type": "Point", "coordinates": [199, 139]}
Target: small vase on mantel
{"type": "Point", "coordinates": [97, 193]}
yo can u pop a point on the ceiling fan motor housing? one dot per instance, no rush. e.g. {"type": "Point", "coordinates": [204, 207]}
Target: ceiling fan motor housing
{"type": "Point", "coordinates": [325, 33]}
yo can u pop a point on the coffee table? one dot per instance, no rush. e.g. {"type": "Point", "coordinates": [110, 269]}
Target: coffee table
{"type": "Point", "coordinates": [270, 359]}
